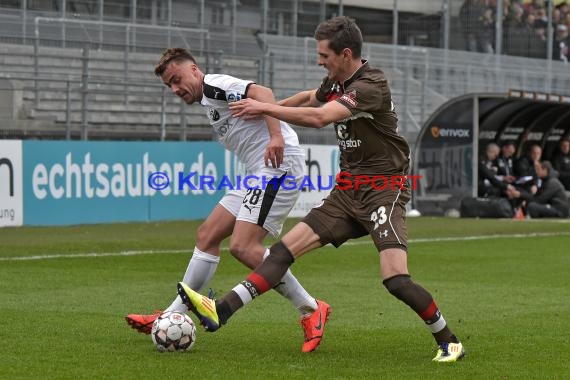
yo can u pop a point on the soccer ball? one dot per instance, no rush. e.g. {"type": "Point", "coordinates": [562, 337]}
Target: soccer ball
{"type": "Point", "coordinates": [173, 331]}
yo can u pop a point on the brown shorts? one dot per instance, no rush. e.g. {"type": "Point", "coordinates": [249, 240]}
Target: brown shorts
{"type": "Point", "coordinates": [350, 214]}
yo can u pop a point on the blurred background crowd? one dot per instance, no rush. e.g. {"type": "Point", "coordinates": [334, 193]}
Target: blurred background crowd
{"type": "Point", "coordinates": [525, 26]}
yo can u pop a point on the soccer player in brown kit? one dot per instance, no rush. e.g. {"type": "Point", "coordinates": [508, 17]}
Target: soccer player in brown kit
{"type": "Point", "coordinates": [356, 98]}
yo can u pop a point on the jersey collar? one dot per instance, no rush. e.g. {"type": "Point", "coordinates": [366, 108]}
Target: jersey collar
{"type": "Point", "coordinates": [355, 75]}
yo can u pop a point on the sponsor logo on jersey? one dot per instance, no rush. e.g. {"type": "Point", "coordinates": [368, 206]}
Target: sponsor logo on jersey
{"type": "Point", "coordinates": [350, 98]}
{"type": "Point", "coordinates": [233, 97]}
{"type": "Point", "coordinates": [222, 129]}
{"type": "Point", "coordinates": [334, 93]}
{"type": "Point", "coordinates": [249, 208]}
{"type": "Point", "coordinates": [343, 140]}
{"type": "Point", "coordinates": [350, 143]}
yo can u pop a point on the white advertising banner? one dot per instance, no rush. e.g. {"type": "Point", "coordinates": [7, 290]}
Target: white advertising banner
{"type": "Point", "coordinates": [11, 195]}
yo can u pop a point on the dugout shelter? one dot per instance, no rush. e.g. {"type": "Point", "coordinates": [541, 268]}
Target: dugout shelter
{"type": "Point", "coordinates": [449, 144]}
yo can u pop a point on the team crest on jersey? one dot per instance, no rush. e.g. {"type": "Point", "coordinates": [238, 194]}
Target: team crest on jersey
{"type": "Point", "coordinates": [344, 140]}
{"type": "Point", "coordinates": [233, 97]}
{"type": "Point", "coordinates": [350, 98]}
{"type": "Point", "coordinates": [342, 131]}
{"type": "Point", "coordinates": [213, 115]}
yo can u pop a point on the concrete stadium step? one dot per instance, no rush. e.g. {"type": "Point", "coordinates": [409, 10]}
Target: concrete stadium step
{"type": "Point", "coordinates": [105, 105]}
{"type": "Point", "coordinates": [19, 129]}
{"type": "Point", "coordinates": [116, 117]}
{"type": "Point", "coordinates": [114, 103]}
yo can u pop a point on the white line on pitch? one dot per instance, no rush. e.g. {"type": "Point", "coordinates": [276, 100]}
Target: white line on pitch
{"type": "Point", "coordinates": [360, 242]}
{"type": "Point", "coordinates": [94, 254]}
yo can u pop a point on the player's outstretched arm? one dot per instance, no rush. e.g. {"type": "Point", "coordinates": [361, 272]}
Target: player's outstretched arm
{"type": "Point", "coordinates": [276, 148]}
{"type": "Point", "coordinates": [301, 99]}
{"type": "Point", "coordinates": [309, 117]}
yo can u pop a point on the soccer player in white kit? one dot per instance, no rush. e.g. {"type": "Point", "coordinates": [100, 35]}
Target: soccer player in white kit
{"type": "Point", "coordinates": [246, 213]}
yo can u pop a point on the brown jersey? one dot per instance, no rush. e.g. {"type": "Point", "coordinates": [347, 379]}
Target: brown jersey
{"type": "Point", "coordinates": [369, 141]}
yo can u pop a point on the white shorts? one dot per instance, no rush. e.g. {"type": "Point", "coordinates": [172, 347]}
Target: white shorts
{"type": "Point", "coordinates": [269, 204]}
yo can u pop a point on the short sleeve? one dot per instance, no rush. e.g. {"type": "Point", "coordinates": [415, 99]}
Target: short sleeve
{"type": "Point", "coordinates": [366, 96]}
{"type": "Point", "coordinates": [232, 88]}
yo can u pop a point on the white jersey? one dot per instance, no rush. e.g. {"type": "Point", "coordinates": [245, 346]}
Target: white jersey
{"type": "Point", "coordinates": [248, 139]}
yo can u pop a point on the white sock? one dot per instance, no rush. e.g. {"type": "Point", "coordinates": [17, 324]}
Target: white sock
{"type": "Point", "coordinates": [290, 288]}
{"type": "Point", "coordinates": [199, 272]}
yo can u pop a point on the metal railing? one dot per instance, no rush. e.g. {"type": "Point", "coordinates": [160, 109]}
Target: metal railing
{"type": "Point", "coordinates": [128, 38]}
{"type": "Point", "coordinates": [128, 43]}
{"type": "Point", "coordinates": [493, 26]}
{"type": "Point", "coordinates": [80, 88]}
{"type": "Point", "coordinates": [81, 106]}
{"type": "Point", "coordinates": [421, 78]}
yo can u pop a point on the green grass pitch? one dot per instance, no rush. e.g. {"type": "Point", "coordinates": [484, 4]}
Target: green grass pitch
{"type": "Point", "coordinates": [502, 285]}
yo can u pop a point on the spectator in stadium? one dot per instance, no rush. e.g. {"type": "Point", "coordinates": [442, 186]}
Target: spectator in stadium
{"type": "Point", "coordinates": [566, 20]}
{"type": "Point", "coordinates": [245, 213]}
{"type": "Point", "coordinates": [541, 15]}
{"type": "Point", "coordinates": [538, 41]}
{"type": "Point", "coordinates": [530, 43]}
{"type": "Point", "coordinates": [561, 42]}
{"type": "Point", "coordinates": [533, 6]}
{"type": "Point", "coordinates": [486, 32]}
{"type": "Point", "coordinates": [516, 33]}
{"type": "Point", "coordinates": [505, 163]}
{"type": "Point", "coordinates": [470, 15]}
{"type": "Point", "coordinates": [357, 99]}
{"type": "Point", "coordinates": [491, 184]}
{"type": "Point", "coordinates": [525, 166]}
{"type": "Point", "coordinates": [564, 8]}
{"type": "Point", "coordinates": [562, 162]}
{"type": "Point", "coordinates": [550, 201]}
{"type": "Point", "coordinates": [556, 16]}
{"type": "Point", "coordinates": [506, 7]}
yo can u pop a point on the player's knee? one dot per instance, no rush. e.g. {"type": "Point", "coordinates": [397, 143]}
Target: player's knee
{"type": "Point", "coordinates": [238, 249]}
{"type": "Point", "coordinates": [246, 253]}
{"type": "Point", "coordinates": [398, 284]}
{"type": "Point", "coordinates": [281, 254]}
{"type": "Point", "coordinates": [205, 239]}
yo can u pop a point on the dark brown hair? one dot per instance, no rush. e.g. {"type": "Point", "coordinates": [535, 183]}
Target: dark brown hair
{"type": "Point", "coordinates": [546, 165]}
{"type": "Point", "coordinates": [177, 55]}
{"type": "Point", "coordinates": [342, 32]}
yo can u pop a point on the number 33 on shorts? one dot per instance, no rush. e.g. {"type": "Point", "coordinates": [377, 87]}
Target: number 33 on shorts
{"type": "Point", "coordinates": [379, 217]}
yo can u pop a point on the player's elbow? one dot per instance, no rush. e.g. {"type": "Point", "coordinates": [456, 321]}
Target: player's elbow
{"type": "Point", "coordinates": [320, 125]}
{"type": "Point", "coordinates": [320, 121]}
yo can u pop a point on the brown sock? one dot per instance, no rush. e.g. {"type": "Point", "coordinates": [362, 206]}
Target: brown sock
{"type": "Point", "coordinates": [264, 277]}
{"type": "Point", "coordinates": [419, 299]}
